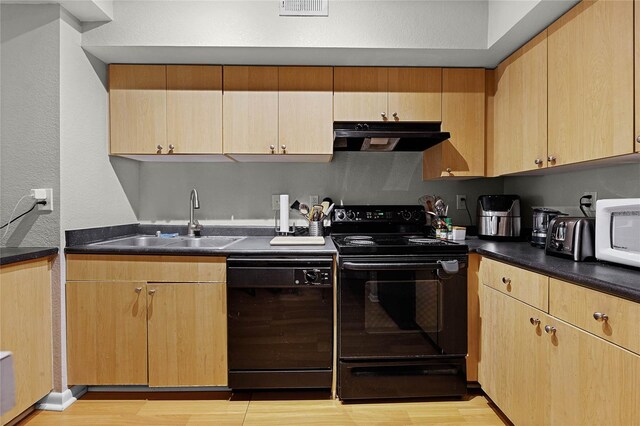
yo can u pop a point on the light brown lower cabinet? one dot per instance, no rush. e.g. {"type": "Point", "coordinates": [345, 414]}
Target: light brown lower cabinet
{"type": "Point", "coordinates": [25, 330]}
{"type": "Point", "coordinates": [540, 370]}
{"type": "Point", "coordinates": [161, 334]}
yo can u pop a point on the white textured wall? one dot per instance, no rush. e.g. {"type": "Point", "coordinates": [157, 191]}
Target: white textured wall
{"type": "Point", "coordinates": [30, 119]}
{"type": "Point", "coordinates": [241, 192]}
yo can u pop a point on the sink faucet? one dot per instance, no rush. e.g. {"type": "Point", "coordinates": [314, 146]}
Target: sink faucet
{"type": "Point", "coordinates": [193, 226]}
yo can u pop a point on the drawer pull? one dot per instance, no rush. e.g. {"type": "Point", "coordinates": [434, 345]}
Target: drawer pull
{"type": "Point", "coordinates": [599, 316]}
{"type": "Point", "coordinates": [138, 289]}
{"type": "Point", "coordinates": [506, 280]}
{"type": "Point", "coordinates": [152, 292]}
{"type": "Point", "coordinates": [549, 329]}
{"type": "Point", "coordinates": [534, 321]}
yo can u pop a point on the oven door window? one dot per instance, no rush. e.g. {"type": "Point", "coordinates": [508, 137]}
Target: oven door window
{"type": "Point", "coordinates": [401, 314]}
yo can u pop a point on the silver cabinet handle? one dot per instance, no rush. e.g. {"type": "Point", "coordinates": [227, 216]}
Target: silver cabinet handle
{"type": "Point", "coordinates": [448, 169]}
{"type": "Point", "coordinates": [272, 148]}
{"type": "Point", "coordinates": [159, 147]}
{"type": "Point", "coordinates": [638, 139]}
{"type": "Point", "coordinates": [138, 289]}
{"type": "Point", "coordinates": [284, 149]}
{"type": "Point", "coordinates": [395, 115]}
{"type": "Point", "coordinates": [171, 147]}
{"type": "Point", "coordinates": [549, 329]}
{"type": "Point", "coordinates": [152, 291]}
{"type": "Point", "coordinates": [538, 161]}
{"type": "Point", "coordinates": [506, 280]}
{"type": "Point", "coordinates": [383, 114]}
{"type": "Point", "coordinates": [551, 158]}
{"type": "Point", "coordinates": [534, 321]}
{"type": "Point", "coordinates": [599, 316]}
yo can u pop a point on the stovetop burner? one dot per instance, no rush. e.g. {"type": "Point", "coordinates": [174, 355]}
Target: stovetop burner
{"type": "Point", "coordinates": [352, 238]}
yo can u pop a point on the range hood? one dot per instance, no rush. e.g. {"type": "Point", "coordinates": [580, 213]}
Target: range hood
{"type": "Point", "coordinates": [386, 136]}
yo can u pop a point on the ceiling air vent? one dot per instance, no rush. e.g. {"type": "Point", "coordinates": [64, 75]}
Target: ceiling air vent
{"type": "Point", "coordinates": [304, 7]}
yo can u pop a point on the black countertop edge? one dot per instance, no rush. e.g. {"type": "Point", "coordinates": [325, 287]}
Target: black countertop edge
{"type": "Point", "coordinates": [616, 280]}
{"type": "Point", "coordinates": [78, 237]}
{"type": "Point", "coordinates": [10, 255]}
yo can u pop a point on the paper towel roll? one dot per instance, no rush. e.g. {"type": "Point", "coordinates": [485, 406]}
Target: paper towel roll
{"type": "Point", "coordinates": [284, 212]}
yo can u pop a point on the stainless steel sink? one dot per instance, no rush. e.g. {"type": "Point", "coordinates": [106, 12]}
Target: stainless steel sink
{"type": "Point", "coordinates": [177, 242]}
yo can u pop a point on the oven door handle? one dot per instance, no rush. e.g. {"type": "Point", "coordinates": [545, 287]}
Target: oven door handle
{"type": "Point", "coordinates": [448, 266]}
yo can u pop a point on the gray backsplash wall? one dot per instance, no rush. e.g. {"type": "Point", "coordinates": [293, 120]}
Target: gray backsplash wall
{"type": "Point", "coordinates": [563, 190]}
{"type": "Point", "coordinates": [242, 192]}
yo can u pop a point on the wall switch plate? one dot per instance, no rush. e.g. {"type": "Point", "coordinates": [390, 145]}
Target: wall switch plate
{"type": "Point", "coordinates": [461, 202]}
{"type": "Point", "coordinates": [594, 198]}
{"type": "Point", "coordinates": [45, 194]}
{"type": "Point", "coordinates": [275, 202]}
{"type": "Point", "coordinates": [313, 199]}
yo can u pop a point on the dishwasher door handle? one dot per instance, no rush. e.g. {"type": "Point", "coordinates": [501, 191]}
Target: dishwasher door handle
{"type": "Point", "coordinates": [392, 266]}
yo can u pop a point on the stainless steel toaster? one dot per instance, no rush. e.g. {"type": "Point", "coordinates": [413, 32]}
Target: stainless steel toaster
{"type": "Point", "coordinates": [571, 237]}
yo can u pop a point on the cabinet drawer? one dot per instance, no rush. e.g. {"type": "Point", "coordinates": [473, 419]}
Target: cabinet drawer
{"type": "Point", "coordinates": [578, 306]}
{"type": "Point", "coordinates": [526, 286]}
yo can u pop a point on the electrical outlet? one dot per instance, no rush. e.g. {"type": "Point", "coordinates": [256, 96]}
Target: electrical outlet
{"type": "Point", "coordinates": [45, 194]}
{"type": "Point", "coordinates": [594, 198]}
{"type": "Point", "coordinates": [313, 199]}
{"type": "Point", "coordinates": [275, 202]}
{"type": "Point", "coordinates": [461, 202]}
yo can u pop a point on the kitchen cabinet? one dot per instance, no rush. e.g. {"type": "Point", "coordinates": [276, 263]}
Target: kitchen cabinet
{"type": "Point", "coordinates": [157, 320]}
{"type": "Point", "coordinates": [463, 115]}
{"type": "Point", "coordinates": [396, 94]}
{"type": "Point", "coordinates": [278, 110]}
{"type": "Point", "coordinates": [250, 104]}
{"type": "Point", "coordinates": [636, 11]}
{"type": "Point", "coordinates": [172, 109]}
{"type": "Point", "coordinates": [137, 108]}
{"type": "Point", "coordinates": [187, 334]}
{"type": "Point", "coordinates": [590, 83]}
{"type": "Point", "coordinates": [518, 140]}
{"type": "Point", "coordinates": [540, 369]}
{"type": "Point", "coordinates": [25, 330]}
{"type": "Point", "coordinates": [106, 332]}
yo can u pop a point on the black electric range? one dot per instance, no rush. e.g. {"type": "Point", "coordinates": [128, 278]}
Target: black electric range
{"type": "Point", "coordinates": [402, 298]}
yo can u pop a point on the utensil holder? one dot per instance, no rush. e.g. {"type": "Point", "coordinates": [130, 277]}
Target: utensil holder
{"type": "Point", "coordinates": [316, 228]}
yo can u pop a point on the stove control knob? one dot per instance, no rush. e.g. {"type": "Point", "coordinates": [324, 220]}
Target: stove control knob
{"type": "Point", "coordinates": [340, 215]}
{"type": "Point", "coordinates": [311, 275]}
{"type": "Point", "coordinates": [351, 214]}
{"type": "Point", "coordinates": [418, 215]}
{"type": "Point", "coordinates": [406, 215]}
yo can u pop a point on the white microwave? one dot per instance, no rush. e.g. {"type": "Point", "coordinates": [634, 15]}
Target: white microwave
{"type": "Point", "coordinates": [618, 231]}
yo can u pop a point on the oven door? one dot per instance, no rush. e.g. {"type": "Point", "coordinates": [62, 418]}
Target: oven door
{"type": "Point", "coordinates": [402, 308]}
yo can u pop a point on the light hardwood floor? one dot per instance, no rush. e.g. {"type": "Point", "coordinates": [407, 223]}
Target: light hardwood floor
{"type": "Point", "coordinates": [268, 408]}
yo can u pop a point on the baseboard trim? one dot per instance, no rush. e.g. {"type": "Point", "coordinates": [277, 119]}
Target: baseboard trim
{"type": "Point", "coordinates": [59, 401]}
{"type": "Point", "coordinates": [142, 388]}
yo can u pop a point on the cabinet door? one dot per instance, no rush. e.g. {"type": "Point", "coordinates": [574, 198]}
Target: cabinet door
{"type": "Point", "coordinates": [519, 140]}
{"type": "Point", "coordinates": [591, 82]}
{"type": "Point", "coordinates": [106, 333]}
{"type": "Point", "coordinates": [194, 109]}
{"type": "Point", "coordinates": [637, 68]}
{"type": "Point", "coordinates": [137, 107]}
{"type": "Point", "coordinates": [415, 94]}
{"type": "Point", "coordinates": [360, 93]}
{"type": "Point", "coordinates": [305, 110]}
{"type": "Point", "coordinates": [463, 115]}
{"type": "Point", "coordinates": [250, 105]}
{"type": "Point", "coordinates": [512, 361]}
{"type": "Point", "coordinates": [187, 334]}
{"type": "Point", "coordinates": [25, 330]}
{"type": "Point", "coordinates": [590, 381]}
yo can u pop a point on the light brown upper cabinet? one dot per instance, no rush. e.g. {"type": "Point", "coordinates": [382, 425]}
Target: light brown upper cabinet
{"type": "Point", "coordinates": [518, 140]}
{"type": "Point", "coordinates": [138, 108]}
{"type": "Point", "coordinates": [278, 110]}
{"type": "Point", "coordinates": [305, 112]}
{"type": "Point", "coordinates": [463, 115]}
{"type": "Point", "coordinates": [591, 82]}
{"type": "Point", "coordinates": [165, 109]}
{"type": "Point", "coordinates": [250, 103]}
{"type": "Point", "coordinates": [194, 109]}
{"type": "Point", "coordinates": [387, 94]}
{"type": "Point", "coordinates": [637, 68]}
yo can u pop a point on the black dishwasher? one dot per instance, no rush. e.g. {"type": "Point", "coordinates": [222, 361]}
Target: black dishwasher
{"type": "Point", "coordinates": [280, 322]}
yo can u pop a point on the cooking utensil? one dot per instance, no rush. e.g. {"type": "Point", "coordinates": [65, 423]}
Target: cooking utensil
{"type": "Point", "coordinates": [304, 209]}
{"type": "Point", "coordinates": [325, 206]}
{"type": "Point", "coordinates": [316, 212]}
{"type": "Point", "coordinates": [295, 205]}
{"type": "Point", "coordinates": [330, 209]}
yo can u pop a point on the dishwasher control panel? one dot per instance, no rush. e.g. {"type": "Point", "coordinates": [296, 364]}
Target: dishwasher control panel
{"type": "Point", "coordinates": [315, 276]}
{"type": "Point", "coordinates": [279, 272]}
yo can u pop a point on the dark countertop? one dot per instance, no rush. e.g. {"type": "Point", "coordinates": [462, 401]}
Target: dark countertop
{"type": "Point", "coordinates": [18, 254]}
{"type": "Point", "coordinates": [608, 278]}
